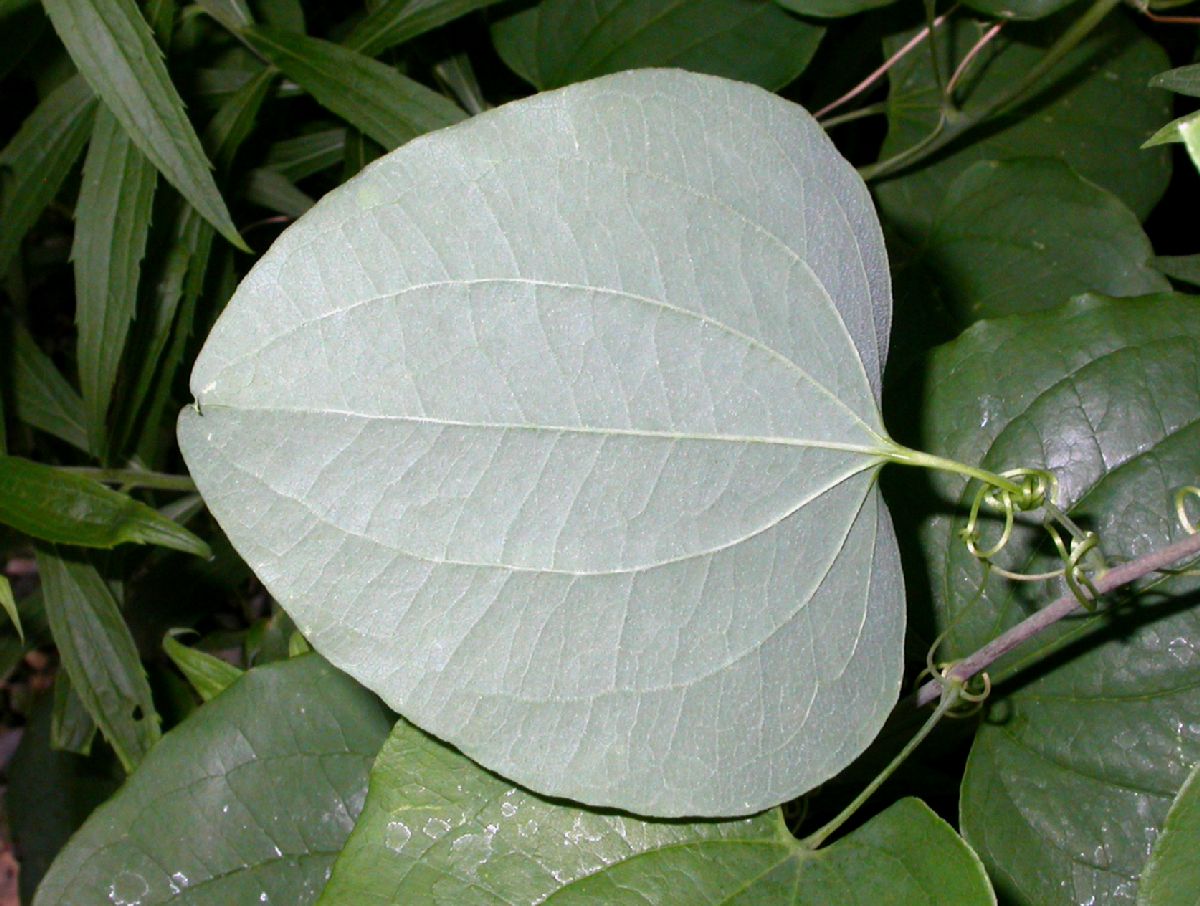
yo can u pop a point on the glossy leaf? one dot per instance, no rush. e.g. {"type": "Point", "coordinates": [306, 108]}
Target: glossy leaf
{"type": "Point", "coordinates": [98, 653]}
{"type": "Point", "coordinates": [1172, 875]}
{"type": "Point", "coordinates": [1071, 776]}
{"type": "Point", "coordinates": [1186, 129]}
{"type": "Point", "coordinates": [207, 674]}
{"type": "Point", "coordinates": [1018, 9]}
{"type": "Point", "coordinates": [41, 396]}
{"type": "Point", "coordinates": [455, 427]}
{"type": "Point", "coordinates": [274, 770]}
{"type": "Point", "coordinates": [832, 8]}
{"type": "Point", "coordinates": [37, 159]}
{"type": "Point", "coordinates": [557, 42]}
{"type": "Point", "coordinates": [1027, 234]}
{"type": "Point", "coordinates": [115, 51]}
{"type": "Point", "coordinates": [112, 222]}
{"type": "Point", "coordinates": [393, 22]}
{"type": "Point", "coordinates": [1184, 80]}
{"type": "Point", "coordinates": [436, 828]}
{"type": "Point", "coordinates": [65, 508]}
{"type": "Point", "coordinates": [1094, 112]}
{"type": "Point", "coordinates": [389, 107]}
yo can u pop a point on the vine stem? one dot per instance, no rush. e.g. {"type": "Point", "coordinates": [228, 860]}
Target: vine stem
{"type": "Point", "coordinates": [1065, 606]}
{"type": "Point", "coordinates": [949, 700]}
{"type": "Point", "coordinates": [952, 122]}
{"type": "Point", "coordinates": [908, 457]}
{"type": "Point", "coordinates": [134, 478]}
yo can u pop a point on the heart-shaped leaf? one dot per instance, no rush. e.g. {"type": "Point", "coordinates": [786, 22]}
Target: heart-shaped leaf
{"type": "Point", "coordinates": [559, 430]}
{"type": "Point", "coordinates": [437, 828]}
{"type": "Point", "coordinates": [1072, 774]}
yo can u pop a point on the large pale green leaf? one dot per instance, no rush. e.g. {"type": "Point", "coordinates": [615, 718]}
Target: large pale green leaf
{"type": "Point", "coordinates": [1093, 111]}
{"type": "Point", "coordinates": [36, 161]}
{"type": "Point", "coordinates": [557, 42]}
{"type": "Point", "coordinates": [1072, 775]}
{"type": "Point", "coordinates": [1027, 234]}
{"type": "Point", "coordinates": [246, 801]}
{"type": "Point", "coordinates": [396, 21]}
{"type": "Point", "coordinates": [99, 653]}
{"type": "Point", "coordinates": [1172, 876]}
{"type": "Point", "coordinates": [437, 828]}
{"type": "Point", "coordinates": [601, 364]}
{"type": "Point", "coordinates": [112, 221]}
{"type": "Point", "coordinates": [115, 51]}
{"type": "Point", "coordinates": [388, 106]}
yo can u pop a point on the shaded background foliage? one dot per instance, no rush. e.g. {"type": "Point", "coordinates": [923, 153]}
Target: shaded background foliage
{"type": "Point", "coordinates": [119, 244]}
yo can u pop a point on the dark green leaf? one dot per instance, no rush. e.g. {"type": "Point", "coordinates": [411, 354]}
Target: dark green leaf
{"type": "Point", "coordinates": [389, 107]}
{"type": "Point", "coordinates": [457, 76]}
{"type": "Point", "coordinates": [437, 828]}
{"type": "Point", "coordinates": [285, 14]}
{"type": "Point", "coordinates": [248, 800]}
{"type": "Point", "coordinates": [65, 508]}
{"type": "Point", "coordinates": [115, 51]}
{"type": "Point", "coordinates": [1018, 9]}
{"type": "Point", "coordinates": [209, 675]}
{"type": "Point", "coordinates": [831, 8]}
{"type": "Point", "coordinates": [36, 161]}
{"type": "Point", "coordinates": [307, 154]}
{"type": "Point", "coordinates": [99, 654]}
{"type": "Point", "coordinates": [272, 190]}
{"type": "Point", "coordinates": [396, 21]}
{"type": "Point", "coordinates": [182, 270]}
{"type": "Point", "coordinates": [71, 726]}
{"type": "Point", "coordinates": [1072, 775]}
{"type": "Point", "coordinates": [21, 27]}
{"type": "Point", "coordinates": [9, 603]}
{"type": "Point", "coordinates": [558, 42]}
{"type": "Point", "coordinates": [1094, 112]}
{"type": "Point", "coordinates": [41, 396]}
{"type": "Point", "coordinates": [50, 794]}
{"type": "Point", "coordinates": [1172, 876]}
{"type": "Point", "coordinates": [232, 14]}
{"type": "Point", "coordinates": [1185, 268]}
{"type": "Point", "coordinates": [1027, 234]}
{"type": "Point", "coordinates": [359, 151]}
{"type": "Point", "coordinates": [112, 222]}
{"type": "Point", "coordinates": [1184, 80]}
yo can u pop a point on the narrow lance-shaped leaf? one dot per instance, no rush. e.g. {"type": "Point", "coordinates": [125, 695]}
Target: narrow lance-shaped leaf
{"type": "Point", "coordinates": [71, 726]}
{"type": "Point", "coordinates": [1184, 80]}
{"type": "Point", "coordinates": [396, 21]}
{"type": "Point", "coordinates": [65, 508]}
{"type": "Point", "coordinates": [112, 222]}
{"type": "Point", "coordinates": [182, 271]}
{"type": "Point", "coordinates": [389, 107]}
{"type": "Point", "coordinates": [232, 14]}
{"type": "Point", "coordinates": [115, 51]}
{"type": "Point", "coordinates": [307, 154]}
{"type": "Point", "coordinates": [41, 396]}
{"type": "Point", "coordinates": [290, 747]}
{"type": "Point", "coordinates": [98, 652]}
{"type": "Point", "coordinates": [9, 603]}
{"type": "Point", "coordinates": [208, 675]}
{"type": "Point", "coordinates": [36, 161]}
{"type": "Point", "coordinates": [436, 827]}
{"type": "Point", "coordinates": [603, 364]}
